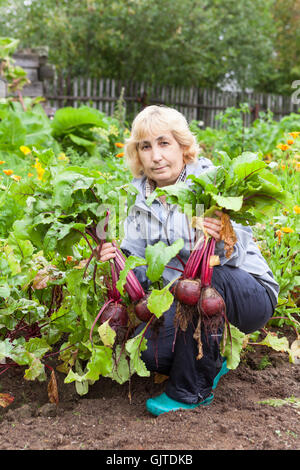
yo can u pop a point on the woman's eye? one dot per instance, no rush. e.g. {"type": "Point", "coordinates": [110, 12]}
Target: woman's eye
{"type": "Point", "coordinates": [145, 146]}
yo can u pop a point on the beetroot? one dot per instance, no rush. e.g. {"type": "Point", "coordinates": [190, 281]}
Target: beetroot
{"type": "Point", "coordinates": [188, 287]}
{"type": "Point", "coordinates": [211, 303]}
{"type": "Point", "coordinates": [117, 315]}
{"type": "Point", "coordinates": [191, 291]}
{"type": "Point", "coordinates": [187, 291]}
{"type": "Point", "coordinates": [141, 309]}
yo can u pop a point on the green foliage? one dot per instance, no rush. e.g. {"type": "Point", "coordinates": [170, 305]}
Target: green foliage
{"type": "Point", "coordinates": [234, 137]}
{"type": "Point", "coordinates": [74, 127]}
{"type": "Point", "coordinates": [243, 186]}
{"type": "Point", "coordinates": [232, 345]}
{"type": "Point", "coordinates": [52, 285]}
{"type": "Point", "coordinates": [170, 42]}
{"type": "Point", "coordinates": [13, 74]}
{"type": "Point", "coordinates": [293, 401]}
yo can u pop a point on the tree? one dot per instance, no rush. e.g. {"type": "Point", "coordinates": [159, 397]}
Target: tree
{"type": "Point", "coordinates": [286, 14]}
{"type": "Point", "coordinates": [183, 42]}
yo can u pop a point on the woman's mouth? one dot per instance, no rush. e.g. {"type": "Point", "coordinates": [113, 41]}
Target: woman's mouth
{"type": "Point", "coordinates": [159, 168]}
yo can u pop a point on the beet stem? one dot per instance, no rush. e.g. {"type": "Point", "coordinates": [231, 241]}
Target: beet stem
{"type": "Point", "coordinates": [132, 286]}
{"type": "Point", "coordinates": [146, 328]}
{"type": "Point", "coordinates": [181, 260]}
{"type": "Point", "coordinates": [194, 261]}
{"type": "Point", "coordinates": [176, 269]}
{"type": "Point", "coordinates": [212, 250]}
{"type": "Point", "coordinates": [115, 292]}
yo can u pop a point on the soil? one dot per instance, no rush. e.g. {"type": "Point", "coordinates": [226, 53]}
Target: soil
{"type": "Point", "coordinates": [105, 418]}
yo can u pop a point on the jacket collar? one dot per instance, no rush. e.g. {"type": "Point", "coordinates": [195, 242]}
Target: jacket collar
{"type": "Point", "coordinates": [140, 183]}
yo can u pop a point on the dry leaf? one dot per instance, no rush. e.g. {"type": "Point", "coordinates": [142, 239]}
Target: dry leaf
{"type": "Point", "coordinates": [43, 276]}
{"type": "Point", "coordinates": [82, 263]}
{"type": "Point", "coordinates": [214, 260]}
{"type": "Point", "coordinates": [160, 378]}
{"type": "Point", "coordinates": [6, 399]}
{"type": "Point", "coordinates": [295, 348]}
{"type": "Point", "coordinates": [52, 389]}
{"type": "Point", "coordinates": [227, 234]}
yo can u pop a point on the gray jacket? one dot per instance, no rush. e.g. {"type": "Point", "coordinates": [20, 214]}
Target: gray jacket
{"type": "Point", "coordinates": [148, 225]}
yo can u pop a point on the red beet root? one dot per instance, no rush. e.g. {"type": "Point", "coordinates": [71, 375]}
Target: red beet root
{"type": "Point", "coordinates": [211, 303]}
{"type": "Point", "coordinates": [117, 315]}
{"type": "Point", "coordinates": [212, 310]}
{"type": "Point", "coordinates": [187, 291]}
{"type": "Point", "coordinates": [142, 311]}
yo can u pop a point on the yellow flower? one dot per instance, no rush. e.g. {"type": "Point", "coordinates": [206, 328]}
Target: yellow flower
{"type": "Point", "coordinates": [16, 177]}
{"type": "Point", "coordinates": [39, 169]}
{"type": "Point", "coordinates": [119, 145]}
{"type": "Point", "coordinates": [30, 174]}
{"type": "Point", "coordinates": [282, 147]}
{"type": "Point", "coordinates": [282, 166]}
{"type": "Point", "coordinates": [268, 157]}
{"type": "Point", "coordinates": [120, 155]}
{"type": "Point", "coordinates": [62, 156]}
{"type": "Point", "coordinates": [298, 166]}
{"type": "Point", "coordinates": [25, 150]}
{"type": "Point", "coordinates": [289, 141]}
{"type": "Point", "coordinates": [2, 161]}
{"type": "Point", "coordinates": [296, 209]}
{"type": "Point", "coordinates": [287, 229]}
{"type": "Point", "coordinates": [8, 172]}
{"type": "Point", "coordinates": [294, 134]}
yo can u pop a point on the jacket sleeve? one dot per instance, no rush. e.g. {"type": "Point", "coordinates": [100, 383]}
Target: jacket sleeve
{"type": "Point", "coordinates": [244, 238]}
{"type": "Point", "coordinates": [134, 244]}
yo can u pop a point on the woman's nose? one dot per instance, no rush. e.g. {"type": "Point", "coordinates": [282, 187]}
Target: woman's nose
{"type": "Point", "coordinates": [156, 154]}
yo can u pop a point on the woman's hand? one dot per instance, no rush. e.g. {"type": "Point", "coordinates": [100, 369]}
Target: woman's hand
{"type": "Point", "coordinates": [107, 252]}
{"type": "Point", "coordinates": [213, 226]}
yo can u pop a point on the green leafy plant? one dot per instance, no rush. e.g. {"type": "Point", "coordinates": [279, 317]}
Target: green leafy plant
{"type": "Point", "coordinates": [15, 75]}
{"type": "Point", "coordinates": [51, 282]}
{"type": "Point", "coordinates": [243, 187]}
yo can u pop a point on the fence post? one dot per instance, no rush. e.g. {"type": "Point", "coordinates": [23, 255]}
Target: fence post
{"type": "Point", "coordinates": [3, 88]}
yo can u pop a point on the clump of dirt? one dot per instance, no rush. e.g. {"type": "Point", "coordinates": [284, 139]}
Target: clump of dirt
{"type": "Point", "coordinates": [105, 419]}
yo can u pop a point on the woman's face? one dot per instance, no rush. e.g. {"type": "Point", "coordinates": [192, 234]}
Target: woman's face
{"type": "Point", "coordinates": [161, 157]}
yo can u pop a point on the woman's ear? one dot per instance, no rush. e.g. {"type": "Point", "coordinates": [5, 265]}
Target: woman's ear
{"type": "Point", "coordinates": [185, 153]}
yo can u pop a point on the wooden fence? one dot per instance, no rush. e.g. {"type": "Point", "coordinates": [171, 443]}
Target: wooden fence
{"type": "Point", "coordinates": [195, 103]}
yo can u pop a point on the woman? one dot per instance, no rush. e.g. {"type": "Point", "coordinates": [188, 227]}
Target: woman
{"type": "Point", "coordinates": [162, 151]}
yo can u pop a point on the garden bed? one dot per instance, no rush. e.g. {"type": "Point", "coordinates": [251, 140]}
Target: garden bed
{"type": "Point", "coordinates": [105, 419]}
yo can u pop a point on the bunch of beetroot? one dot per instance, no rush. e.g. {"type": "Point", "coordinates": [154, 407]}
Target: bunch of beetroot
{"type": "Point", "coordinates": [114, 310]}
{"type": "Point", "coordinates": [194, 289]}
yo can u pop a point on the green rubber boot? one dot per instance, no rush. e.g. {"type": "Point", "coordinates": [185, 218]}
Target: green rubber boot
{"type": "Point", "coordinates": [163, 404]}
{"type": "Point", "coordinates": [224, 370]}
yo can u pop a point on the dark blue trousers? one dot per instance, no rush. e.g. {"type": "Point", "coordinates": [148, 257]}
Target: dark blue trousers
{"type": "Point", "coordinates": [248, 307]}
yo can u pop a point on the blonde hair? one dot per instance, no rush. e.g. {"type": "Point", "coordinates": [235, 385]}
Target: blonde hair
{"type": "Point", "coordinates": [151, 121]}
